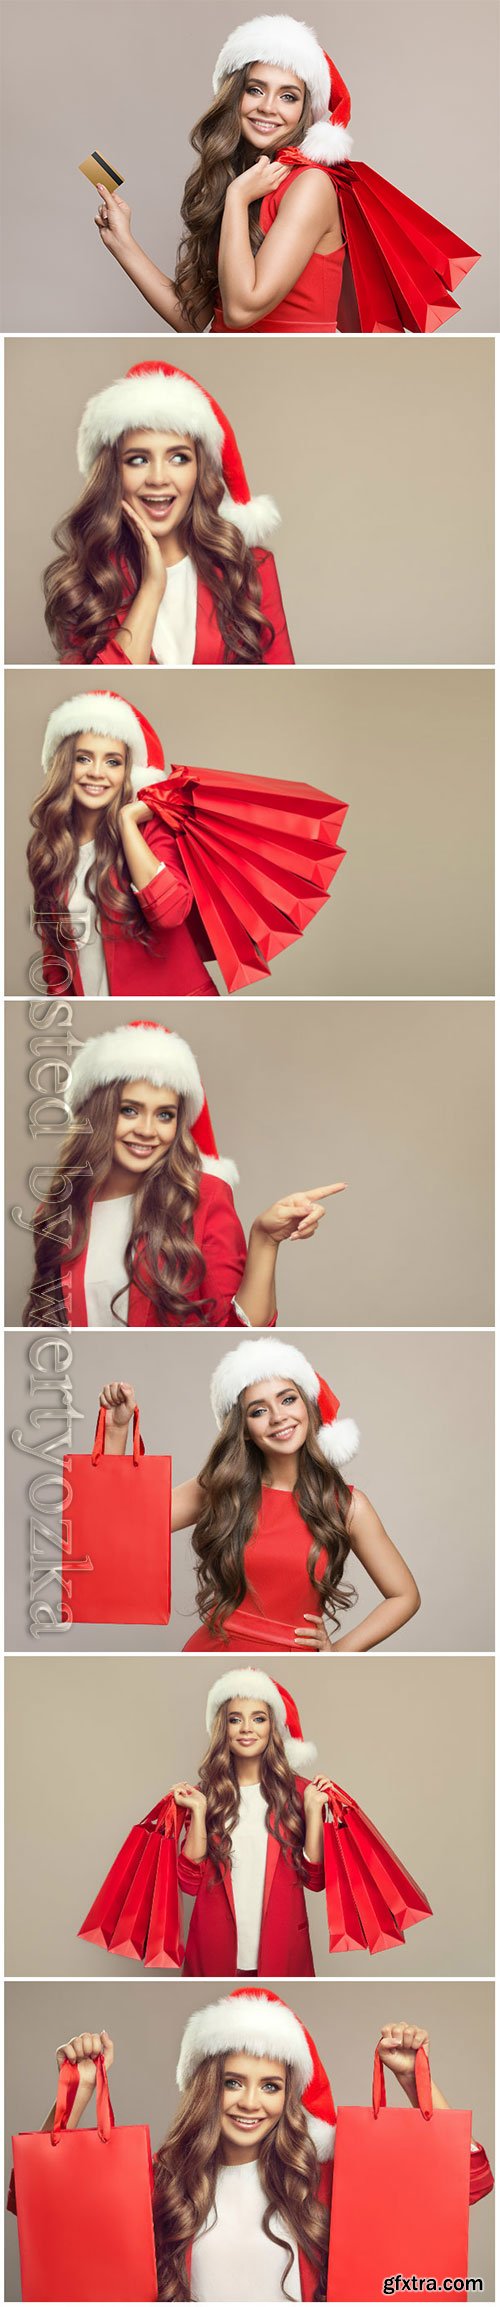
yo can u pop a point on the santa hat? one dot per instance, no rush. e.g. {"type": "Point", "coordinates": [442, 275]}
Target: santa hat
{"type": "Point", "coordinates": [294, 47]}
{"type": "Point", "coordinates": [262, 1358]}
{"type": "Point", "coordinates": [258, 2022]}
{"type": "Point", "coordinates": [144, 1051]}
{"type": "Point", "coordinates": [106, 715]}
{"type": "Point", "coordinates": [250, 1682]}
{"type": "Point", "coordinates": [155, 397]}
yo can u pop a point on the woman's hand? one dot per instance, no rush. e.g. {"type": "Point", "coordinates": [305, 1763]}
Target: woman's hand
{"type": "Point", "coordinates": [313, 1633]}
{"type": "Point", "coordinates": [113, 220]}
{"type": "Point", "coordinates": [191, 1798]}
{"type": "Point", "coordinates": [154, 571]}
{"type": "Point", "coordinates": [264, 176]}
{"type": "Point", "coordinates": [314, 1797]}
{"type": "Point", "coordinates": [398, 2045]}
{"type": "Point", "coordinates": [118, 1400]}
{"type": "Point", "coordinates": [82, 2052]}
{"type": "Point", "coordinates": [297, 1216]}
{"type": "Point", "coordinates": [134, 812]}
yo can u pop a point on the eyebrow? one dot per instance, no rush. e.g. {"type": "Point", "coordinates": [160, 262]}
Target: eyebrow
{"type": "Point", "coordinates": [260, 1404]}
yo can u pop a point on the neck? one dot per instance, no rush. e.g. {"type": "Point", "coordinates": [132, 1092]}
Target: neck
{"type": "Point", "coordinates": [281, 1473]}
{"type": "Point", "coordinates": [173, 549]}
{"type": "Point", "coordinates": [86, 822]}
{"type": "Point", "coordinates": [243, 2154]}
{"type": "Point", "coordinates": [248, 1769]}
{"type": "Point", "coordinates": [115, 1185]}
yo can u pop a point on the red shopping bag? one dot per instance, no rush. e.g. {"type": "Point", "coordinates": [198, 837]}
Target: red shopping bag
{"type": "Point", "coordinates": [138, 1908]}
{"type": "Point", "coordinates": [119, 1521]}
{"type": "Point", "coordinates": [84, 2204]}
{"type": "Point", "coordinates": [259, 854]}
{"type": "Point", "coordinates": [369, 1895]}
{"type": "Point", "coordinates": [400, 2203]}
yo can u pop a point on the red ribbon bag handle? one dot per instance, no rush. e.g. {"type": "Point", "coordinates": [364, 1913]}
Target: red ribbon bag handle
{"type": "Point", "coordinates": [168, 1816]}
{"type": "Point", "coordinates": [138, 1451]}
{"type": "Point", "coordinates": [422, 2084]}
{"type": "Point", "coordinates": [66, 2094]}
{"type": "Point", "coordinates": [337, 1802]}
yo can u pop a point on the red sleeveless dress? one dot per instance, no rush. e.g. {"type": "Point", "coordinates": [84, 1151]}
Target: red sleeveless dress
{"type": "Point", "coordinates": [311, 307]}
{"type": "Point", "coordinates": [279, 1590]}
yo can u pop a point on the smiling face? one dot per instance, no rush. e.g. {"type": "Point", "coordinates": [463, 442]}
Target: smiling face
{"type": "Point", "coordinates": [158, 475]}
{"type": "Point", "coordinates": [98, 771]}
{"type": "Point", "coordinates": [276, 1417]}
{"type": "Point", "coordinates": [252, 2102]}
{"type": "Point", "coordinates": [146, 1126]}
{"type": "Point", "coordinates": [271, 107]}
{"type": "Point", "coordinates": [248, 1726]}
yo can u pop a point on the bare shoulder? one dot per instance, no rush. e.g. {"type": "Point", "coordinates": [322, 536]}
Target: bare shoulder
{"type": "Point", "coordinates": [311, 193]}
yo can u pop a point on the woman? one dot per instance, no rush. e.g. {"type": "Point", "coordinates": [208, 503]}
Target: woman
{"type": "Point", "coordinates": [283, 232]}
{"type": "Point", "coordinates": [111, 902]}
{"type": "Point", "coordinates": [274, 1520]}
{"type": "Point", "coordinates": [139, 1224]}
{"type": "Point", "coordinates": [161, 561]}
{"type": "Point", "coordinates": [242, 2182]}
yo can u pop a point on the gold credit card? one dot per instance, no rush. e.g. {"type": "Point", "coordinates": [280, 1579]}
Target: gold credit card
{"type": "Point", "coordinates": [99, 171]}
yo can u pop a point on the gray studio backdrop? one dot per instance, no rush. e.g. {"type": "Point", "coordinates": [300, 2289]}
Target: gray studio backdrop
{"type": "Point", "coordinates": [411, 908]}
{"type": "Point", "coordinates": [380, 463]}
{"type": "Point", "coordinates": [424, 1405]}
{"type": "Point", "coordinates": [345, 2020]}
{"type": "Point", "coordinates": [393, 1097]}
{"type": "Point", "coordinates": [402, 1736]}
{"type": "Point", "coordinates": [423, 82]}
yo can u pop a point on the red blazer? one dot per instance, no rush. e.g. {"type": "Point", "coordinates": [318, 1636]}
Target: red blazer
{"type": "Point", "coordinates": [308, 2274]}
{"type": "Point", "coordinates": [209, 646]}
{"type": "Point", "coordinates": [285, 1946]}
{"type": "Point", "coordinates": [173, 961]}
{"type": "Point", "coordinates": [220, 1237]}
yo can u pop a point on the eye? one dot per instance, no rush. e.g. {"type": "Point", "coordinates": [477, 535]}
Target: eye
{"type": "Point", "coordinates": [288, 1398]}
{"type": "Point", "coordinates": [271, 2086]}
{"type": "Point", "coordinates": [166, 1113]}
{"type": "Point", "coordinates": [136, 457]}
{"type": "Point", "coordinates": [127, 1107]}
{"type": "Point", "coordinates": [181, 457]}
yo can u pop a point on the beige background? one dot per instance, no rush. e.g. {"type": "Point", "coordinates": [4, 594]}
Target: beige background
{"type": "Point", "coordinates": [381, 467]}
{"type": "Point", "coordinates": [394, 1097]}
{"type": "Point", "coordinates": [345, 2019]}
{"type": "Point", "coordinates": [403, 1738]}
{"type": "Point", "coordinates": [411, 909]}
{"type": "Point", "coordinates": [424, 113]}
{"type": "Point", "coordinates": [424, 1405]}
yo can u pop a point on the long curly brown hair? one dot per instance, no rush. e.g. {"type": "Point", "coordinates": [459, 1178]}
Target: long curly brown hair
{"type": "Point", "coordinates": [101, 564]}
{"type": "Point", "coordinates": [161, 1256]}
{"type": "Point", "coordinates": [232, 1482]}
{"type": "Point", "coordinates": [223, 154]}
{"type": "Point", "coordinates": [219, 1781]}
{"type": "Point", "coordinates": [53, 857]}
{"type": "Point", "coordinates": [187, 2168]}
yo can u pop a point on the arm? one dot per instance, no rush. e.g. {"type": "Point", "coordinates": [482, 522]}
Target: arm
{"type": "Point", "coordinates": [314, 1796]}
{"type": "Point", "coordinates": [398, 2045]}
{"type": "Point", "coordinates": [294, 1219]}
{"type": "Point", "coordinates": [118, 1400]}
{"type": "Point", "coordinates": [279, 650]}
{"type": "Point", "coordinates": [372, 1546]}
{"type": "Point", "coordinates": [82, 2052]}
{"type": "Point", "coordinates": [252, 286]}
{"type": "Point", "coordinates": [194, 1847]}
{"type": "Point", "coordinates": [113, 224]}
{"type": "Point", "coordinates": [158, 878]}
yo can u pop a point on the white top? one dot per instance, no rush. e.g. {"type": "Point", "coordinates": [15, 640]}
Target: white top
{"type": "Point", "coordinates": [175, 630]}
{"type": "Point", "coordinates": [248, 1869]}
{"type": "Point", "coordinates": [87, 934]}
{"type": "Point", "coordinates": [232, 2257]}
{"type": "Point", "coordinates": [105, 1272]}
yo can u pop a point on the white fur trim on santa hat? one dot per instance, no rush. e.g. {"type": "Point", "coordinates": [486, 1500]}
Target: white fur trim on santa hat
{"type": "Point", "coordinates": [339, 1442]}
{"type": "Point", "coordinates": [322, 2135]}
{"type": "Point", "coordinates": [255, 1359]}
{"type": "Point", "coordinates": [105, 715]}
{"type": "Point", "coordinates": [137, 1053]}
{"type": "Point", "coordinates": [283, 41]}
{"type": "Point", "coordinates": [220, 1166]}
{"type": "Point", "coordinates": [251, 2023]}
{"type": "Point", "coordinates": [156, 403]}
{"type": "Point", "coordinates": [327, 140]}
{"type": "Point", "coordinates": [257, 520]}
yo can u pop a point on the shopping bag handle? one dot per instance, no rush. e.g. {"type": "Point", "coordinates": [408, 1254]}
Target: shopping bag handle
{"type": "Point", "coordinates": [423, 2084]}
{"type": "Point", "coordinates": [337, 1801]}
{"type": "Point", "coordinates": [168, 1815]}
{"type": "Point", "coordinates": [98, 1449]}
{"type": "Point", "coordinates": [66, 2094]}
